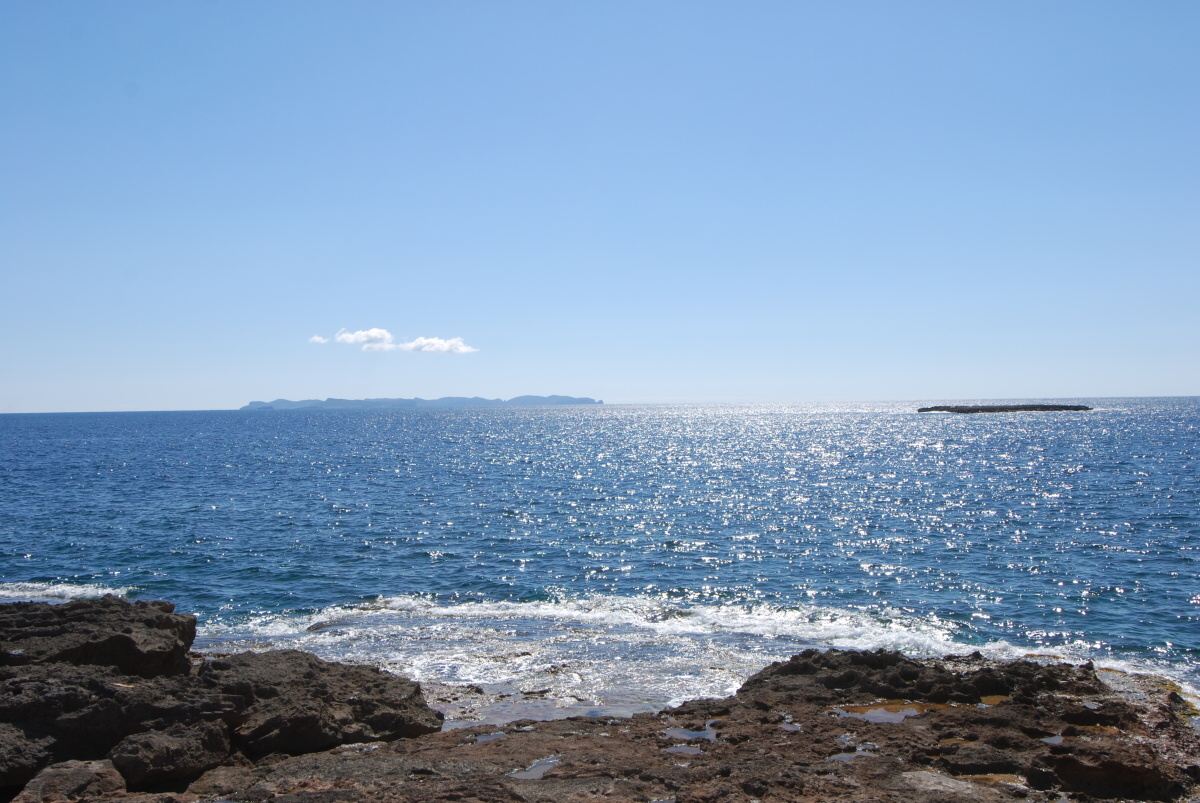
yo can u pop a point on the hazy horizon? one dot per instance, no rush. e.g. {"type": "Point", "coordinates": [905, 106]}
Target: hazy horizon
{"type": "Point", "coordinates": [619, 403]}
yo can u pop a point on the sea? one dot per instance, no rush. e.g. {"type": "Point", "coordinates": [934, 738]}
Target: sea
{"type": "Point", "coordinates": [620, 558]}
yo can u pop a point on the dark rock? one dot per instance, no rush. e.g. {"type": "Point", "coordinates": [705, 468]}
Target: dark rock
{"type": "Point", "coordinates": [955, 747]}
{"type": "Point", "coordinates": [20, 755]}
{"type": "Point", "coordinates": [179, 753]}
{"type": "Point", "coordinates": [298, 703]}
{"type": "Point", "coordinates": [79, 684]}
{"type": "Point", "coordinates": [271, 702]}
{"type": "Point", "coordinates": [1127, 771]}
{"type": "Point", "coordinates": [980, 759]}
{"type": "Point", "coordinates": [83, 711]}
{"type": "Point", "coordinates": [139, 638]}
{"type": "Point", "coordinates": [72, 780]}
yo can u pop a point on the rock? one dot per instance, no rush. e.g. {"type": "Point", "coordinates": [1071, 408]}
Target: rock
{"type": "Point", "coordinates": [1004, 408]}
{"type": "Point", "coordinates": [976, 731]}
{"type": "Point", "coordinates": [930, 784]}
{"type": "Point", "coordinates": [272, 702]}
{"type": "Point", "coordinates": [20, 755]}
{"type": "Point", "coordinates": [139, 638]}
{"type": "Point", "coordinates": [72, 780]}
{"type": "Point", "coordinates": [299, 703]}
{"type": "Point", "coordinates": [1127, 771]}
{"type": "Point", "coordinates": [179, 753]}
{"type": "Point", "coordinates": [981, 759]}
{"type": "Point", "coordinates": [84, 711]}
{"type": "Point", "coordinates": [77, 684]}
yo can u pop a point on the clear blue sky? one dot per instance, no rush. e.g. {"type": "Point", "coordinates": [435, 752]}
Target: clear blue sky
{"type": "Point", "coordinates": [638, 201]}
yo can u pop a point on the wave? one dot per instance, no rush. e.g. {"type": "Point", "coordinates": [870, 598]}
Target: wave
{"type": "Point", "coordinates": [605, 654]}
{"type": "Point", "coordinates": [57, 592]}
{"type": "Point", "coordinates": [821, 626]}
{"type": "Point", "coordinates": [816, 625]}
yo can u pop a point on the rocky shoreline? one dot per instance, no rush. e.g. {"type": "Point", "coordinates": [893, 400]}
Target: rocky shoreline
{"type": "Point", "coordinates": [103, 700]}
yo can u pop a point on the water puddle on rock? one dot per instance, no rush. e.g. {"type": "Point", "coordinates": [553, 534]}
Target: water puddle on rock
{"type": "Point", "coordinates": [484, 738]}
{"type": "Point", "coordinates": [683, 750]}
{"type": "Point", "coordinates": [993, 699]}
{"type": "Point", "coordinates": [862, 751]}
{"type": "Point", "coordinates": [536, 770]}
{"type": "Point", "coordinates": [708, 734]}
{"type": "Point", "coordinates": [889, 712]}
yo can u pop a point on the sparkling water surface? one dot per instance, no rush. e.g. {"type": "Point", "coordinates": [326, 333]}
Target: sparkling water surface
{"type": "Point", "coordinates": [620, 558]}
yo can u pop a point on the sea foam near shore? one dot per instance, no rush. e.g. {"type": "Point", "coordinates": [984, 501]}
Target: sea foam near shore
{"type": "Point", "coordinates": [57, 592]}
{"type": "Point", "coordinates": [599, 655]}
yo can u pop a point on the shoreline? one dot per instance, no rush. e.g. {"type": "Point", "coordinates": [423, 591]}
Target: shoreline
{"type": "Point", "coordinates": [822, 724]}
{"type": "Point", "coordinates": [497, 685]}
{"type": "Point", "coordinates": [497, 704]}
{"type": "Point", "coordinates": [651, 654]}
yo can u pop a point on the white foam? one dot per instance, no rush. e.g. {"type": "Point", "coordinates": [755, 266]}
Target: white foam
{"type": "Point", "coordinates": [58, 592]}
{"type": "Point", "coordinates": [822, 626]}
{"type": "Point", "coordinates": [604, 653]}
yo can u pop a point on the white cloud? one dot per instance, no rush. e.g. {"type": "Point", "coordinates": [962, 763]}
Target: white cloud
{"type": "Point", "coordinates": [453, 345]}
{"type": "Point", "coordinates": [376, 339]}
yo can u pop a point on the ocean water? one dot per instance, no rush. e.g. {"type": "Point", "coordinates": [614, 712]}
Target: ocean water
{"type": "Point", "coordinates": [622, 558]}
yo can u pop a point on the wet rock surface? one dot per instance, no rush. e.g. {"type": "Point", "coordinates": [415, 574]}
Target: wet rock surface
{"type": "Point", "coordinates": [824, 725]}
{"type": "Point", "coordinates": [65, 702]}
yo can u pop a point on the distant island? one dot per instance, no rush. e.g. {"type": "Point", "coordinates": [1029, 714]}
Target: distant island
{"type": "Point", "coordinates": [444, 403]}
{"type": "Point", "coordinates": [1003, 408]}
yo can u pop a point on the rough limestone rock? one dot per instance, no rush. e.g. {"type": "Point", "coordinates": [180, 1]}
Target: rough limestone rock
{"type": "Point", "coordinates": [821, 726]}
{"type": "Point", "coordinates": [84, 711]}
{"type": "Point", "coordinates": [177, 754]}
{"type": "Point", "coordinates": [21, 754]}
{"type": "Point", "coordinates": [138, 638]}
{"type": "Point", "coordinates": [832, 725]}
{"type": "Point", "coordinates": [65, 696]}
{"type": "Point", "coordinates": [297, 703]}
{"type": "Point", "coordinates": [72, 780]}
{"type": "Point", "coordinates": [271, 702]}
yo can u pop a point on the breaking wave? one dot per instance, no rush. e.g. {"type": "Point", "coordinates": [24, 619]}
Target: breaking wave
{"type": "Point", "coordinates": [57, 592]}
{"type": "Point", "coordinates": [600, 654]}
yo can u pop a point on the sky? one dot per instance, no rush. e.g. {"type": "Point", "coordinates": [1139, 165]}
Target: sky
{"type": "Point", "coordinates": [205, 203]}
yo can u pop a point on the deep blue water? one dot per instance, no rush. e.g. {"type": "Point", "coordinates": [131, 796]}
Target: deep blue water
{"type": "Point", "coordinates": [625, 555]}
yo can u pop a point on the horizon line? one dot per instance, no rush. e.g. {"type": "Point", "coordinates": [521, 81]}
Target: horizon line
{"type": "Point", "coordinates": [696, 403]}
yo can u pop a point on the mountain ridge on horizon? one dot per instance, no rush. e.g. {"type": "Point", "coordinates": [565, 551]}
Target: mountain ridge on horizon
{"type": "Point", "coordinates": [443, 402]}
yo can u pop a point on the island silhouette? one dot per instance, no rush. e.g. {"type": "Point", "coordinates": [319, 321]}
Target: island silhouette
{"type": "Point", "coordinates": [445, 402]}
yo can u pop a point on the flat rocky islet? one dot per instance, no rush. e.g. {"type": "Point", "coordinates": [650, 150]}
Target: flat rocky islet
{"type": "Point", "coordinates": [103, 700]}
{"type": "Point", "coordinates": [1004, 408]}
